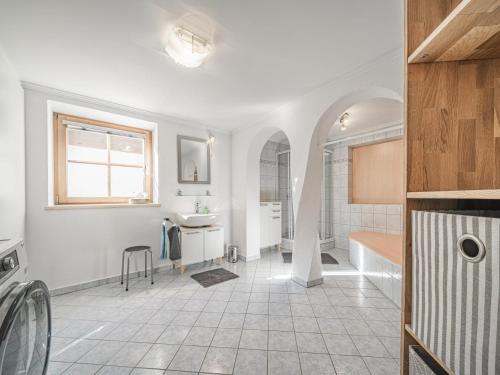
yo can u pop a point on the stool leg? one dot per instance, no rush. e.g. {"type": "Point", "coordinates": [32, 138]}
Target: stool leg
{"type": "Point", "coordinates": [123, 263]}
{"type": "Point", "coordinates": [145, 264]}
{"type": "Point", "coordinates": [151, 270]}
{"type": "Point", "coordinates": [128, 268]}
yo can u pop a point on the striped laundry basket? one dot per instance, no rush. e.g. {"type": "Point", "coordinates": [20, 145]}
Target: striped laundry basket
{"type": "Point", "coordinates": [456, 288]}
{"type": "Point", "coordinates": [422, 363]}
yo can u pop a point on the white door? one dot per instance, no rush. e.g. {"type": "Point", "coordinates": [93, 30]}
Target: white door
{"type": "Point", "coordinates": [214, 243]}
{"type": "Point", "coordinates": [192, 246]}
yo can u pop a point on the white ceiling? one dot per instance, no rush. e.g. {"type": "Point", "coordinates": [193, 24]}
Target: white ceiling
{"type": "Point", "coordinates": [267, 52]}
{"type": "Point", "coordinates": [369, 115]}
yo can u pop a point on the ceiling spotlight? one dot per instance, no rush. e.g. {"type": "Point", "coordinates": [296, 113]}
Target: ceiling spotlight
{"type": "Point", "coordinates": [343, 120]}
{"type": "Point", "coordinates": [187, 48]}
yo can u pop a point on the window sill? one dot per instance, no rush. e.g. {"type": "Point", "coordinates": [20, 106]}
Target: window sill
{"type": "Point", "coordinates": [105, 205]}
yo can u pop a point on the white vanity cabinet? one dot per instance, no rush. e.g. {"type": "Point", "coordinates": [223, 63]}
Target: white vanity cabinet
{"type": "Point", "coordinates": [199, 244]}
{"type": "Point", "coordinates": [214, 243]}
{"type": "Point", "coordinates": [270, 224]}
{"type": "Point", "coordinates": [191, 245]}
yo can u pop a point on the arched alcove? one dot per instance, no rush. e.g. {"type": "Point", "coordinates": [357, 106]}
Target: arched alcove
{"type": "Point", "coordinates": [247, 218]}
{"type": "Point", "coordinates": [306, 268]}
{"type": "Point", "coordinates": [276, 203]}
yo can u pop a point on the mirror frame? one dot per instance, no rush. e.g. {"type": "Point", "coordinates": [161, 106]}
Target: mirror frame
{"type": "Point", "coordinates": [181, 138]}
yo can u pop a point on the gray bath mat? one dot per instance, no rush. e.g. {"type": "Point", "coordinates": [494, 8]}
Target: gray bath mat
{"type": "Point", "coordinates": [212, 277]}
{"type": "Point", "coordinates": [325, 258]}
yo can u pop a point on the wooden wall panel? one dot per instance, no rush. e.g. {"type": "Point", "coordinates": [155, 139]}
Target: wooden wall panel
{"type": "Point", "coordinates": [378, 173]}
{"type": "Point", "coordinates": [453, 126]}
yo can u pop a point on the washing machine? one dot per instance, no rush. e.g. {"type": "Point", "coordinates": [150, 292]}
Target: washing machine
{"type": "Point", "coordinates": [25, 325]}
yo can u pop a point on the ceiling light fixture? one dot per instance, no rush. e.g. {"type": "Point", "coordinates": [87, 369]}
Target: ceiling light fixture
{"type": "Point", "coordinates": [343, 120]}
{"type": "Point", "coordinates": [187, 48]}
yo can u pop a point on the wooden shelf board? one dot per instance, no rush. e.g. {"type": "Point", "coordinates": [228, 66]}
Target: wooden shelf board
{"type": "Point", "coordinates": [471, 31]}
{"type": "Point", "coordinates": [410, 332]}
{"type": "Point", "coordinates": [456, 194]}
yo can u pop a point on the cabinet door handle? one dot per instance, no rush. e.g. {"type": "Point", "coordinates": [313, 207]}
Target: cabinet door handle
{"type": "Point", "coordinates": [213, 230]}
{"type": "Point", "coordinates": [190, 233]}
{"type": "Point", "coordinates": [276, 210]}
{"type": "Point", "coordinates": [276, 217]}
{"type": "Point", "coordinates": [276, 204]}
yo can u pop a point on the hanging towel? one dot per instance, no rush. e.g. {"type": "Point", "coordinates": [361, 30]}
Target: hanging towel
{"type": "Point", "coordinates": [164, 239]}
{"type": "Point", "coordinates": [175, 242]}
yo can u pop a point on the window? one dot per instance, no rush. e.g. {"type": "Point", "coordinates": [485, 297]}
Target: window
{"type": "Point", "coordinates": [97, 162]}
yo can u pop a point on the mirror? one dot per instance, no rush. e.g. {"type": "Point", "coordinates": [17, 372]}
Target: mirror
{"type": "Point", "coordinates": [193, 160]}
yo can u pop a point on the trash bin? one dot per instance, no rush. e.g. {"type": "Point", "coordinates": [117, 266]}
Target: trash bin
{"type": "Point", "coordinates": [232, 253]}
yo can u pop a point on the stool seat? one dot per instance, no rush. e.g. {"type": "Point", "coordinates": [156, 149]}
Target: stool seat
{"type": "Point", "coordinates": [137, 248]}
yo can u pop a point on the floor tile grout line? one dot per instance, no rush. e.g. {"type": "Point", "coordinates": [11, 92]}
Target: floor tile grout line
{"type": "Point", "coordinates": [252, 284]}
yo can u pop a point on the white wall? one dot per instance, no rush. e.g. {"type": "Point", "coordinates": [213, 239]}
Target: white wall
{"type": "Point", "coordinates": [67, 247]}
{"type": "Point", "coordinates": [306, 122]}
{"type": "Point", "coordinates": [12, 198]}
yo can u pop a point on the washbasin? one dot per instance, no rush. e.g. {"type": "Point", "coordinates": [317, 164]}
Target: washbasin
{"type": "Point", "coordinates": [194, 220]}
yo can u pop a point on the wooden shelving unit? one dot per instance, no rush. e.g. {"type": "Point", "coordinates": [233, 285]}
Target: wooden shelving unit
{"type": "Point", "coordinates": [471, 31]}
{"type": "Point", "coordinates": [410, 332]}
{"type": "Point", "coordinates": [452, 112]}
{"type": "Point", "coordinates": [455, 194]}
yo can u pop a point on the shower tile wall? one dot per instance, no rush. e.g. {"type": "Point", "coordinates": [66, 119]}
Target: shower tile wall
{"type": "Point", "coordinates": [349, 218]}
{"type": "Point", "coordinates": [269, 172]}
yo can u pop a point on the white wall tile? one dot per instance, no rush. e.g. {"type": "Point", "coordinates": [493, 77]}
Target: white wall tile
{"type": "Point", "coordinates": [379, 209]}
{"type": "Point", "coordinates": [355, 207]}
{"type": "Point", "coordinates": [344, 217]}
{"type": "Point", "coordinates": [356, 228]}
{"type": "Point", "coordinates": [394, 209]}
{"type": "Point", "coordinates": [380, 220]}
{"type": "Point", "coordinates": [394, 222]}
{"type": "Point", "coordinates": [367, 208]}
{"type": "Point", "coordinates": [355, 219]}
{"type": "Point", "coordinates": [367, 219]}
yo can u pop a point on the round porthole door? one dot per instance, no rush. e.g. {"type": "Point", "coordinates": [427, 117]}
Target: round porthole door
{"type": "Point", "coordinates": [25, 330]}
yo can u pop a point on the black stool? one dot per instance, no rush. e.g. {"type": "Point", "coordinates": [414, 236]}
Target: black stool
{"type": "Point", "coordinates": [134, 249]}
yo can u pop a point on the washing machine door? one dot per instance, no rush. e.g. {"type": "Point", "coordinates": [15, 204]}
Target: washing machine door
{"type": "Point", "coordinates": [25, 329]}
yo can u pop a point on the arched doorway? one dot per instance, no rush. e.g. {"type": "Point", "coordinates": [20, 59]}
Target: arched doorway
{"type": "Point", "coordinates": [307, 269]}
{"type": "Point", "coordinates": [246, 191]}
{"type": "Point", "coordinates": [276, 205]}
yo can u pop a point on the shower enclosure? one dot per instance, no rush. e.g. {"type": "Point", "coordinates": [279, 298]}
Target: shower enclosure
{"type": "Point", "coordinates": [326, 210]}
{"type": "Point", "coordinates": [284, 192]}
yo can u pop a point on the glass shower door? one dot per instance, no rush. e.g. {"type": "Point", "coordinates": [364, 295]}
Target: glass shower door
{"type": "Point", "coordinates": [326, 210]}
{"type": "Point", "coordinates": [285, 194]}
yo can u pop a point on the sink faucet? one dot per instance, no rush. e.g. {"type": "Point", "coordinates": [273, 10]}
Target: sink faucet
{"type": "Point", "coordinates": [197, 206]}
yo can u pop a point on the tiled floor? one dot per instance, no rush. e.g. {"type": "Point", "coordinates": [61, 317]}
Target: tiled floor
{"type": "Point", "coordinates": [259, 323]}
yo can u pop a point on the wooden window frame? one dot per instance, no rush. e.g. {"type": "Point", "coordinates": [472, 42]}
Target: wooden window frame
{"type": "Point", "coordinates": [60, 161]}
